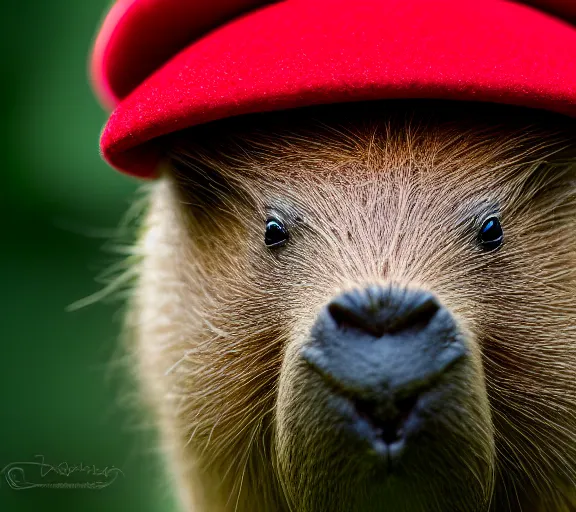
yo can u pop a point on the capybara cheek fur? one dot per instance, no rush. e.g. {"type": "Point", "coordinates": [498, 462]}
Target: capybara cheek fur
{"type": "Point", "coordinates": [366, 308]}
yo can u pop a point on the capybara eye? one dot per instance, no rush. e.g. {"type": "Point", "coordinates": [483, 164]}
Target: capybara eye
{"type": "Point", "coordinates": [276, 233]}
{"type": "Point", "coordinates": [491, 234]}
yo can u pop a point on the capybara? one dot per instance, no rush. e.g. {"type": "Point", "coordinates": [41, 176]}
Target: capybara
{"type": "Point", "coordinates": [364, 307]}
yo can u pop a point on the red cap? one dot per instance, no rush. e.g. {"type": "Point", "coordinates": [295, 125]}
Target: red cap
{"type": "Point", "coordinates": [166, 65]}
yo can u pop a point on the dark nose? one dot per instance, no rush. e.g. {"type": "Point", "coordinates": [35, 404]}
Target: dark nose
{"type": "Point", "coordinates": [384, 348]}
{"type": "Point", "coordinates": [378, 311]}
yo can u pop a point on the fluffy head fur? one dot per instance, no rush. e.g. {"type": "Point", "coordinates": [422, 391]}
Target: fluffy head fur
{"type": "Point", "coordinates": [370, 194]}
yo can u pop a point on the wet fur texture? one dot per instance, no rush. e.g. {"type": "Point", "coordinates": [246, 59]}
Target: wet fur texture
{"type": "Point", "coordinates": [370, 194]}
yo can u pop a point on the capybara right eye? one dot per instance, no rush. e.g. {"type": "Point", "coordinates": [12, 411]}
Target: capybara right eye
{"type": "Point", "coordinates": [276, 233]}
{"type": "Point", "coordinates": [491, 235]}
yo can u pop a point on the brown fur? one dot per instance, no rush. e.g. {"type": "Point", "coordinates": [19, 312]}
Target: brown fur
{"type": "Point", "coordinates": [371, 194]}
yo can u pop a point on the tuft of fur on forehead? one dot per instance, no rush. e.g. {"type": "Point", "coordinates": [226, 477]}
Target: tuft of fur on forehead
{"type": "Point", "coordinates": [371, 193]}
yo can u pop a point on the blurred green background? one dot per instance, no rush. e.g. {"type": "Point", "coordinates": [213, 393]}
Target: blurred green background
{"type": "Point", "coordinates": [62, 395]}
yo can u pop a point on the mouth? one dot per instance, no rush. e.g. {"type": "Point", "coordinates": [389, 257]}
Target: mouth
{"type": "Point", "coordinates": [384, 431]}
{"type": "Point", "coordinates": [392, 429]}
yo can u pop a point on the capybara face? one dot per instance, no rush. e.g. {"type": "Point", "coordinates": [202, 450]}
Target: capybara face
{"type": "Point", "coordinates": [365, 309]}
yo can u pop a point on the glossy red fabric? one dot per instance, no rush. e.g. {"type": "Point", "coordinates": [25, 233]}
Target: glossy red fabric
{"type": "Point", "coordinates": [163, 68]}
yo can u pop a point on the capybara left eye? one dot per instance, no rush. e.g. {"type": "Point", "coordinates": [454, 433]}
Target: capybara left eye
{"type": "Point", "coordinates": [276, 233]}
{"type": "Point", "coordinates": [491, 235]}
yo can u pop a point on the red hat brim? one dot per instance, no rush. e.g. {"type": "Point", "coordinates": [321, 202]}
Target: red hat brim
{"type": "Point", "coordinates": [301, 52]}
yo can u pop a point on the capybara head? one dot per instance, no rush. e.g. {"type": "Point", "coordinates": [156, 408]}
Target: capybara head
{"type": "Point", "coordinates": [366, 307]}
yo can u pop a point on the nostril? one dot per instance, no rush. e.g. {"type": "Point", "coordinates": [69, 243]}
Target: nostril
{"type": "Point", "coordinates": [418, 315]}
{"type": "Point", "coordinates": [345, 317]}
{"type": "Point", "coordinates": [351, 316]}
